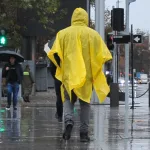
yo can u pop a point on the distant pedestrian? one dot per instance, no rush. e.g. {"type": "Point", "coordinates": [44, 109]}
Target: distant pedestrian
{"type": "Point", "coordinates": [59, 103]}
{"type": "Point", "coordinates": [57, 83]}
{"type": "Point", "coordinates": [13, 73]}
{"type": "Point", "coordinates": [27, 83]}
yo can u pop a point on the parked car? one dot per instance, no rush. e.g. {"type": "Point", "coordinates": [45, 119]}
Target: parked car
{"type": "Point", "coordinates": [144, 78]}
{"type": "Point", "coordinates": [121, 81]}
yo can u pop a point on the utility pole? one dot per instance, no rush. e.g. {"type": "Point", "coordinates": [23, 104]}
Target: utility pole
{"type": "Point", "coordinates": [127, 58]}
{"type": "Point", "coordinates": [117, 3]}
{"type": "Point", "coordinates": [127, 66]}
{"type": "Point", "coordinates": [99, 17]}
{"type": "Point", "coordinates": [127, 55]}
{"type": "Point", "coordinates": [117, 51]}
{"type": "Point", "coordinates": [99, 26]}
{"type": "Point", "coordinates": [127, 72]}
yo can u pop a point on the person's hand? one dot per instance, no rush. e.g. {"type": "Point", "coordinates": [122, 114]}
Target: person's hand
{"type": "Point", "coordinates": [7, 68]}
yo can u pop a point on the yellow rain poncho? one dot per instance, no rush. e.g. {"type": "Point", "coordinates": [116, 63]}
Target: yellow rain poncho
{"type": "Point", "coordinates": [82, 54]}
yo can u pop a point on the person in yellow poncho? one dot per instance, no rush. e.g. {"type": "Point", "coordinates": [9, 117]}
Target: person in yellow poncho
{"type": "Point", "coordinates": [82, 53]}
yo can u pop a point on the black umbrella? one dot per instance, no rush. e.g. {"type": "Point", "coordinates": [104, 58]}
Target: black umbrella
{"type": "Point", "coordinates": [5, 56]}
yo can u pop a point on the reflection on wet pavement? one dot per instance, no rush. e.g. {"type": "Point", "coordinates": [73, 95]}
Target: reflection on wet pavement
{"type": "Point", "coordinates": [35, 128]}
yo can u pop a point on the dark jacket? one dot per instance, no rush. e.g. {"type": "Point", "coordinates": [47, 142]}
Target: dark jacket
{"type": "Point", "coordinates": [53, 67]}
{"type": "Point", "coordinates": [6, 73]}
{"type": "Point", "coordinates": [109, 79]}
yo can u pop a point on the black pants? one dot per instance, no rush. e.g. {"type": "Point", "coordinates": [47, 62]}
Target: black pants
{"type": "Point", "coordinates": [59, 104]}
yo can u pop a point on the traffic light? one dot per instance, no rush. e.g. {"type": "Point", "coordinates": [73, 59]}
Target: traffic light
{"type": "Point", "coordinates": [3, 38]}
{"type": "Point", "coordinates": [117, 19]}
{"type": "Point", "coordinates": [110, 43]}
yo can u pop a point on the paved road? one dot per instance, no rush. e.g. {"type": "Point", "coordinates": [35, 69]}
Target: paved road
{"type": "Point", "coordinates": [33, 126]}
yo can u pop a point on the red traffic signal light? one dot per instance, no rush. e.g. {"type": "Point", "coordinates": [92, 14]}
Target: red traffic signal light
{"type": "Point", "coordinates": [110, 43]}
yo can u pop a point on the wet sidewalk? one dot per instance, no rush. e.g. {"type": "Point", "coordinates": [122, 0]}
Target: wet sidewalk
{"type": "Point", "coordinates": [34, 127]}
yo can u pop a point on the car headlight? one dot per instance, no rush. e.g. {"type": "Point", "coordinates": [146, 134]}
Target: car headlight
{"type": "Point", "coordinates": [122, 81]}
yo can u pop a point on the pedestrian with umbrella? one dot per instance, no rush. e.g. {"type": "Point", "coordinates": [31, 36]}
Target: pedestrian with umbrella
{"type": "Point", "coordinates": [13, 73]}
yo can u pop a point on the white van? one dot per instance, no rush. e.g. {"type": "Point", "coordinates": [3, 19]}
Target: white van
{"type": "Point", "coordinates": [144, 78]}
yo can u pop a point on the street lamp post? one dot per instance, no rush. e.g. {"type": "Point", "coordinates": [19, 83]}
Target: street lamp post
{"type": "Point", "coordinates": [99, 17]}
{"type": "Point", "coordinates": [99, 26]}
{"type": "Point", "coordinates": [128, 2]}
{"type": "Point", "coordinates": [127, 68]}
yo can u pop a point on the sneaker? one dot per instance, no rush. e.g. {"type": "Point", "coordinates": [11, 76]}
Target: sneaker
{"type": "Point", "coordinates": [84, 137]}
{"type": "Point", "coordinates": [24, 99]}
{"type": "Point", "coordinates": [59, 119]}
{"type": "Point", "coordinates": [8, 107]}
{"type": "Point", "coordinates": [15, 108]}
{"type": "Point", "coordinates": [56, 115]}
{"type": "Point", "coordinates": [67, 132]}
{"type": "Point", "coordinates": [28, 99]}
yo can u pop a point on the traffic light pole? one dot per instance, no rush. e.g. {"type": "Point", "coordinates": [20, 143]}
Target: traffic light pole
{"type": "Point", "coordinates": [127, 69]}
{"type": "Point", "coordinates": [117, 70]}
{"type": "Point", "coordinates": [127, 59]}
{"type": "Point", "coordinates": [132, 72]}
{"type": "Point", "coordinates": [127, 73]}
{"type": "Point", "coordinates": [99, 26]}
{"type": "Point", "coordinates": [115, 61]}
{"type": "Point", "coordinates": [99, 17]}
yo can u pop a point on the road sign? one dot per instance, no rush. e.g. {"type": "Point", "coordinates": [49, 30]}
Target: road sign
{"type": "Point", "coordinates": [126, 39]}
{"type": "Point", "coordinates": [137, 38]}
{"type": "Point", "coordinates": [121, 39]}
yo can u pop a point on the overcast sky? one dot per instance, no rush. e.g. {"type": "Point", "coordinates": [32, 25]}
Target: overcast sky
{"type": "Point", "coordinates": [139, 12]}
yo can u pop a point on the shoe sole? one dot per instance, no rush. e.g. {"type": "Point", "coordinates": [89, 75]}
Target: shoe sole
{"type": "Point", "coordinates": [56, 116]}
